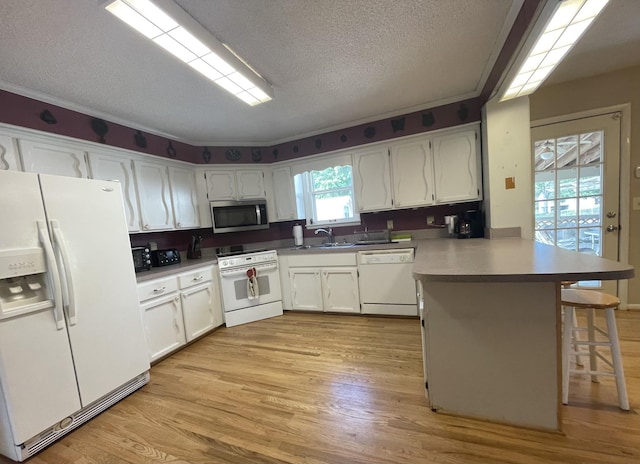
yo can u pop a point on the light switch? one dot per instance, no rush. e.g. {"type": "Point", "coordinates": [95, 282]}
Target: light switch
{"type": "Point", "coordinates": [636, 204]}
{"type": "Point", "coordinates": [509, 183]}
{"type": "Point", "coordinates": [637, 172]}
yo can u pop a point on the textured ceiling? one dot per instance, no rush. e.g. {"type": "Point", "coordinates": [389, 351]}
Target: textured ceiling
{"type": "Point", "coordinates": [332, 63]}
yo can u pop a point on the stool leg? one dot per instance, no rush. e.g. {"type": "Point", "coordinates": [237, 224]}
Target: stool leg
{"type": "Point", "coordinates": [567, 328]}
{"type": "Point", "coordinates": [616, 358]}
{"type": "Point", "coordinates": [576, 338]}
{"type": "Point", "coordinates": [593, 360]}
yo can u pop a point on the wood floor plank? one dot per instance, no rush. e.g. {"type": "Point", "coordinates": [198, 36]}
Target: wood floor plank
{"type": "Point", "coordinates": [333, 389]}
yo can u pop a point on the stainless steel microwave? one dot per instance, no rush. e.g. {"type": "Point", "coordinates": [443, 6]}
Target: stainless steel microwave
{"type": "Point", "coordinates": [236, 216]}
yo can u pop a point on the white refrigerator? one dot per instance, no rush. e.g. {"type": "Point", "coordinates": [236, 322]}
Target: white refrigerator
{"type": "Point", "coordinates": [71, 334]}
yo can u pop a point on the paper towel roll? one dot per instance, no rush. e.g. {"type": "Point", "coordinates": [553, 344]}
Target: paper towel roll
{"type": "Point", "coordinates": [297, 235]}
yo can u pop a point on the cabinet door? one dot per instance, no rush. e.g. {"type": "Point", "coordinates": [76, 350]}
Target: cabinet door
{"type": "Point", "coordinates": [184, 198]}
{"type": "Point", "coordinates": [155, 197]}
{"type": "Point", "coordinates": [113, 167]}
{"type": "Point", "coordinates": [221, 185]}
{"type": "Point", "coordinates": [340, 289]}
{"type": "Point", "coordinates": [457, 167]}
{"type": "Point", "coordinates": [8, 154]}
{"type": "Point", "coordinates": [198, 310]}
{"type": "Point", "coordinates": [284, 195]}
{"type": "Point", "coordinates": [250, 184]}
{"type": "Point", "coordinates": [47, 158]}
{"type": "Point", "coordinates": [163, 325]}
{"type": "Point", "coordinates": [306, 288]}
{"type": "Point", "coordinates": [372, 180]}
{"type": "Point", "coordinates": [412, 174]}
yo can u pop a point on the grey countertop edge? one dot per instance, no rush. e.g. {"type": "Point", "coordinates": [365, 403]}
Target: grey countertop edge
{"type": "Point", "coordinates": [509, 260]}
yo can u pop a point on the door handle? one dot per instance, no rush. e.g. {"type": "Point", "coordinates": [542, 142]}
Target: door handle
{"type": "Point", "coordinates": [612, 228]}
{"type": "Point", "coordinates": [59, 240]}
{"type": "Point", "coordinates": [54, 272]}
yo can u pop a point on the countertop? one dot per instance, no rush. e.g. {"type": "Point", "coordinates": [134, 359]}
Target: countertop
{"type": "Point", "coordinates": [209, 260]}
{"type": "Point", "coordinates": [509, 260]}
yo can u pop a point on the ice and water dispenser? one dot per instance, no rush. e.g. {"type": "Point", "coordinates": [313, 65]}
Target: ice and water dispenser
{"type": "Point", "coordinates": [23, 282]}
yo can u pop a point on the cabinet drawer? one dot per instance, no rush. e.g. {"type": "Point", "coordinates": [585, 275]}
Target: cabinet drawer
{"type": "Point", "coordinates": [189, 279]}
{"type": "Point", "coordinates": [156, 288]}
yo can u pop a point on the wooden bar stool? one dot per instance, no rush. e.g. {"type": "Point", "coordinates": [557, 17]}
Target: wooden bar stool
{"type": "Point", "coordinates": [590, 300]}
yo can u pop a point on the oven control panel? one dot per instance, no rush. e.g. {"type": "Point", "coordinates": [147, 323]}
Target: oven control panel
{"type": "Point", "coordinates": [248, 259]}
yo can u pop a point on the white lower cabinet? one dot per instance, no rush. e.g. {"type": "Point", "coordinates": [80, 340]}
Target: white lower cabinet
{"type": "Point", "coordinates": [179, 309]}
{"type": "Point", "coordinates": [306, 289]}
{"type": "Point", "coordinates": [340, 289]}
{"type": "Point", "coordinates": [201, 308]}
{"type": "Point", "coordinates": [162, 316]}
{"type": "Point", "coordinates": [330, 284]}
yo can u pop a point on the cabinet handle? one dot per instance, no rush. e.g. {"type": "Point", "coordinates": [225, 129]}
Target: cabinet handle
{"type": "Point", "coordinates": [179, 224]}
{"type": "Point", "coordinates": [159, 290]}
{"type": "Point", "coordinates": [146, 227]}
{"type": "Point", "coordinates": [195, 279]}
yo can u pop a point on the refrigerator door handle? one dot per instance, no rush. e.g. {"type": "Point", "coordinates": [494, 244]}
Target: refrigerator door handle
{"type": "Point", "coordinates": [59, 239]}
{"type": "Point", "coordinates": [58, 313]}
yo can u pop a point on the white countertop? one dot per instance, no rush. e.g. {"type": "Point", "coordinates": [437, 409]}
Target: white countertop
{"type": "Point", "coordinates": [509, 260]}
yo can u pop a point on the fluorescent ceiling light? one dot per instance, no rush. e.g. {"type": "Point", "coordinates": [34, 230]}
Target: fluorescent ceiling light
{"type": "Point", "coordinates": [569, 22]}
{"type": "Point", "coordinates": [192, 44]}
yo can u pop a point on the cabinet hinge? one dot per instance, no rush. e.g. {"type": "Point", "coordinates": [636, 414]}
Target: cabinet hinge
{"type": "Point", "coordinates": [422, 322]}
{"type": "Point", "coordinates": [426, 385]}
{"type": "Point", "coordinates": [429, 144]}
{"type": "Point", "coordinates": [475, 135]}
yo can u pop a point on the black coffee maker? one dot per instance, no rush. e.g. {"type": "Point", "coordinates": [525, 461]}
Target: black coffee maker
{"type": "Point", "coordinates": [470, 224]}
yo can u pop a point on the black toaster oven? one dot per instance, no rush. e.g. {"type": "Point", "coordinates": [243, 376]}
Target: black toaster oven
{"type": "Point", "coordinates": [165, 257]}
{"type": "Point", "coordinates": [141, 258]}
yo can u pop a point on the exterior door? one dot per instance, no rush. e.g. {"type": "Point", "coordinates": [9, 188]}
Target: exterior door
{"type": "Point", "coordinates": [576, 187]}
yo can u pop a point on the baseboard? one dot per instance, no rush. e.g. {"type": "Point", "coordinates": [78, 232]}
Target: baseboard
{"type": "Point", "coordinates": [633, 306]}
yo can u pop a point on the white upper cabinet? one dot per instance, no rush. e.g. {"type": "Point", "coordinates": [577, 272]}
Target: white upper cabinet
{"type": "Point", "coordinates": [250, 184]}
{"type": "Point", "coordinates": [284, 195]}
{"type": "Point", "coordinates": [457, 166]}
{"type": "Point", "coordinates": [56, 159]}
{"type": "Point", "coordinates": [184, 198]}
{"type": "Point", "coordinates": [155, 196]}
{"type": "Point", "coordinates": [9, 160]}
{"type": "Point", "coordinates": [221, 185]}
{"type": "Point", "coordinates": [372, 179]}
{"type": "Point", "coordinates": [109, 166]}
{"type": "Point", "coordinates": [235, 184]}
{"type": "Point", "coordinates": [412, 173]}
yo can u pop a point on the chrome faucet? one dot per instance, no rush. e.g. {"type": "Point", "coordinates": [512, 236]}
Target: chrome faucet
{"type": "Point", "coordinates": [329, 233]}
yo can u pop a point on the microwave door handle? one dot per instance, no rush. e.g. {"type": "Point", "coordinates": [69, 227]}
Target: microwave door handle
{"type": "Point", "coordinates": [258, 214]}
{"type": "Point", "coordinates": [59, 239]}
{"type": "Point", "coordinates": [53, 271]}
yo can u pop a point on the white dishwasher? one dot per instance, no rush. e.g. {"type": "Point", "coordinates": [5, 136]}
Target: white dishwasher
{"type": "Point", "coordinates": [386, 282]}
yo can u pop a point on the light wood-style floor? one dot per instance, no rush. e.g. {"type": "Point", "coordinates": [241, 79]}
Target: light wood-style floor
{"type": "Point", "coordinates": [316, 388]}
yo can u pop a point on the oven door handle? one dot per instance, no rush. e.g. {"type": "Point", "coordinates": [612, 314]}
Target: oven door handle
{"type": "Point", "coordinates": [243, 270]}
{"type": "Point", "coordinates": [258, 215]}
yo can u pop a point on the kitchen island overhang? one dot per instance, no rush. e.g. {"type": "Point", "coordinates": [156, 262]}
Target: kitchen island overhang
{"type": "Point", "coordinates": [492, 318]}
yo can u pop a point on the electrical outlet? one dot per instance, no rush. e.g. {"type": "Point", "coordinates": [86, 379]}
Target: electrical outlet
{"type": "Point", "coordinates": [390, 224]}
{"type": "Point", "coordinates": [636, 203]}
{"type": "Point", "coordinates": [431, 219]}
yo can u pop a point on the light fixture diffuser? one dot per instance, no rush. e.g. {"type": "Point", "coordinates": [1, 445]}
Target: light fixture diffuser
{"type": "Point", "coordinates": [173, 29]}
{"type": "Point", "coordinates": [565, 27]}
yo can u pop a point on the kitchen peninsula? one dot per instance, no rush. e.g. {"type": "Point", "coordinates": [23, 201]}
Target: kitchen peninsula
{"type": "Point", "coordinates": [492, 319]}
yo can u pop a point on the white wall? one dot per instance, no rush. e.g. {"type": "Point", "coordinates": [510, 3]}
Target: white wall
{"type": "Point", "coordinates": [507, 148]}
